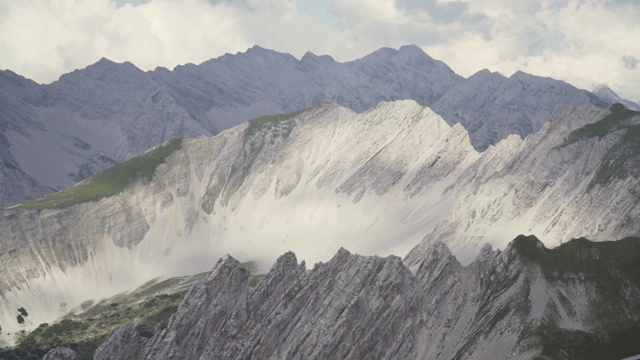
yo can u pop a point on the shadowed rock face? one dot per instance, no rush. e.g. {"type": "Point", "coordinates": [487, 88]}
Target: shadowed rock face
{"type": "Point", "coordinates": [514, 304]}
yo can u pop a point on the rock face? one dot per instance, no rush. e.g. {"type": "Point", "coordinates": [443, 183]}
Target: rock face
{"type": "Point", "coordinates": [52, 136]}
{"type": "Point", "coordinates": [17, 96]}
{"type": "Point", "coordinates": [223, 92]}
{"type": "Point", "coordinates": [568, 180]}
{"type": "Point", "coordinates": [523, 302]}
{"type": "Point", "coordinates": [312, 182]}
{"type": "Point", "coordinates": [607, 94]}
{"type": "Point", "coordinates": [60, 353]}
{"type": "Point", "coordinates": [491, 107]}
{"type": "Point", "coordinates": [248, 183]}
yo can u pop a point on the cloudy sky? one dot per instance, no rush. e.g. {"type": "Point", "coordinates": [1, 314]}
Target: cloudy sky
{"type": "Point", "coordinates": [584, 42]}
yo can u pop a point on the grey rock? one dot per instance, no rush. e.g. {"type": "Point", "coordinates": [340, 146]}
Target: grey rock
{"type": "Point", "coordinates": [553, 184]}
{"type": "Point", "coordinates": [290, 314]}
{"type": "Point", "coordinates": [510, 304]}
{"type": "Point", "coordinates": [492, 107]}
{"type": "Point", "coordinates": [60, 353]}
{"type": "Point", "coordinates": [123, 343]}
{"type": "Point", "coordinates": [610, 97]}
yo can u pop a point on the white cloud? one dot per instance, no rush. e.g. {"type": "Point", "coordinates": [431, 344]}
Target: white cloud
{"type": "Point", "coordinates": [584, 42]}
{"type": "Point", "coordinates": [43, 39]}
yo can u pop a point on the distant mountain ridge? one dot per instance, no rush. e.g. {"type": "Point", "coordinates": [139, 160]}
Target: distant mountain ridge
{"type": "Point", "coordinates": [607, 94]}
{"type": "Point", "coordinates": [491, 107]}
{"type": "Point", "coordinates": [55, 135]}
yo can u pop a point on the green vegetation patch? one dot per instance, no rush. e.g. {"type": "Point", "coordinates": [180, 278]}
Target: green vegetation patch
{"type": "Point", "coordinates": [151, 304]}
{"type": "Point", "coordinates": [607, 268]}
{"type": "Point", "coordinates": [611, 122]}
{"type": "Point", "coordinates": [622, 161]}
{"type": "Point", "coordinates": [590, 259]}
{"type": "Point", "coordinates": [269, 121]}
{"type": "Point", "coordinates": [109, 182]}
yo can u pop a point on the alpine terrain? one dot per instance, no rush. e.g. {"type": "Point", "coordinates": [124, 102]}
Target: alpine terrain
{"type": "Point", "coordinates": [389, 156]}
{"type": "Point", "coordinates": [580, 300]}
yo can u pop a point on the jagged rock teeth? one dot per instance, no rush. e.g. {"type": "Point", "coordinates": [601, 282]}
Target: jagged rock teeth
{"type": "Point", "coordinates": [370, 307]}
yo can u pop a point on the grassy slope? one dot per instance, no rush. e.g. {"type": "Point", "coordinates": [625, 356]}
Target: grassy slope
{"type": "Point", "coordinates": [621, 162]}
{"type": "Point", "coordinates": [109, 182]}
{"type": "Point", "coordinates": [151, 304]}
{"type": "Point", "coordinates": [609, 266]}
{"type": "Point", "coordinates": [614, 121]}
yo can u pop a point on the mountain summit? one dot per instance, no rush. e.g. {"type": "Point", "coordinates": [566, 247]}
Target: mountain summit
{"type": "Point", "coordinates": [604, 92]}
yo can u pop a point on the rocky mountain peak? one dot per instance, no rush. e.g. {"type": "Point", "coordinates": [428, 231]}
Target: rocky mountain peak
{"type": "Point", "coordinates": [527, 247]}
{"type": "Point", "coordinates": [9, 77]}
{"type": "Point", "coordinates": [604, 92]}
{"type": "Point", "coordinates": [413, 50]}
{"type": "Point", "coordinates": [311, 62]}
{"type": "Point", "coordinates": [104, 62]}
{"type": "Point", "coordinates": [311, 57]}
{"type": "Point", "coordinates": [382, 53]}
{"type": "Point", "coordinates": [103, 71]}
{"type": "Point", "coordinates": [438, 262]}
{"type": "Point", "coordinates": [259, 53]}
{"type": "Point", "coordinates": [485, 74]}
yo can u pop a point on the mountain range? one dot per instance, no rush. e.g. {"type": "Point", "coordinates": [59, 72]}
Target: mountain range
{"type": "Point", "coordinates": [469, 162]}
{"type": "Point", "coordinates": [54, 135]}
{"type": "Point", "coordinates": [312, 182]}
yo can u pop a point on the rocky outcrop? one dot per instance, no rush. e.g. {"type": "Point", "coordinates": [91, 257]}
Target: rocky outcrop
{"type": "Point", "coordinates": [524, 302]}
{"type": "Point", "coordinates": [291, 314]}
{"type": "Point", "coordinates": [60, 353]}
{"type": "Point", "coordinates": [124, 343]}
